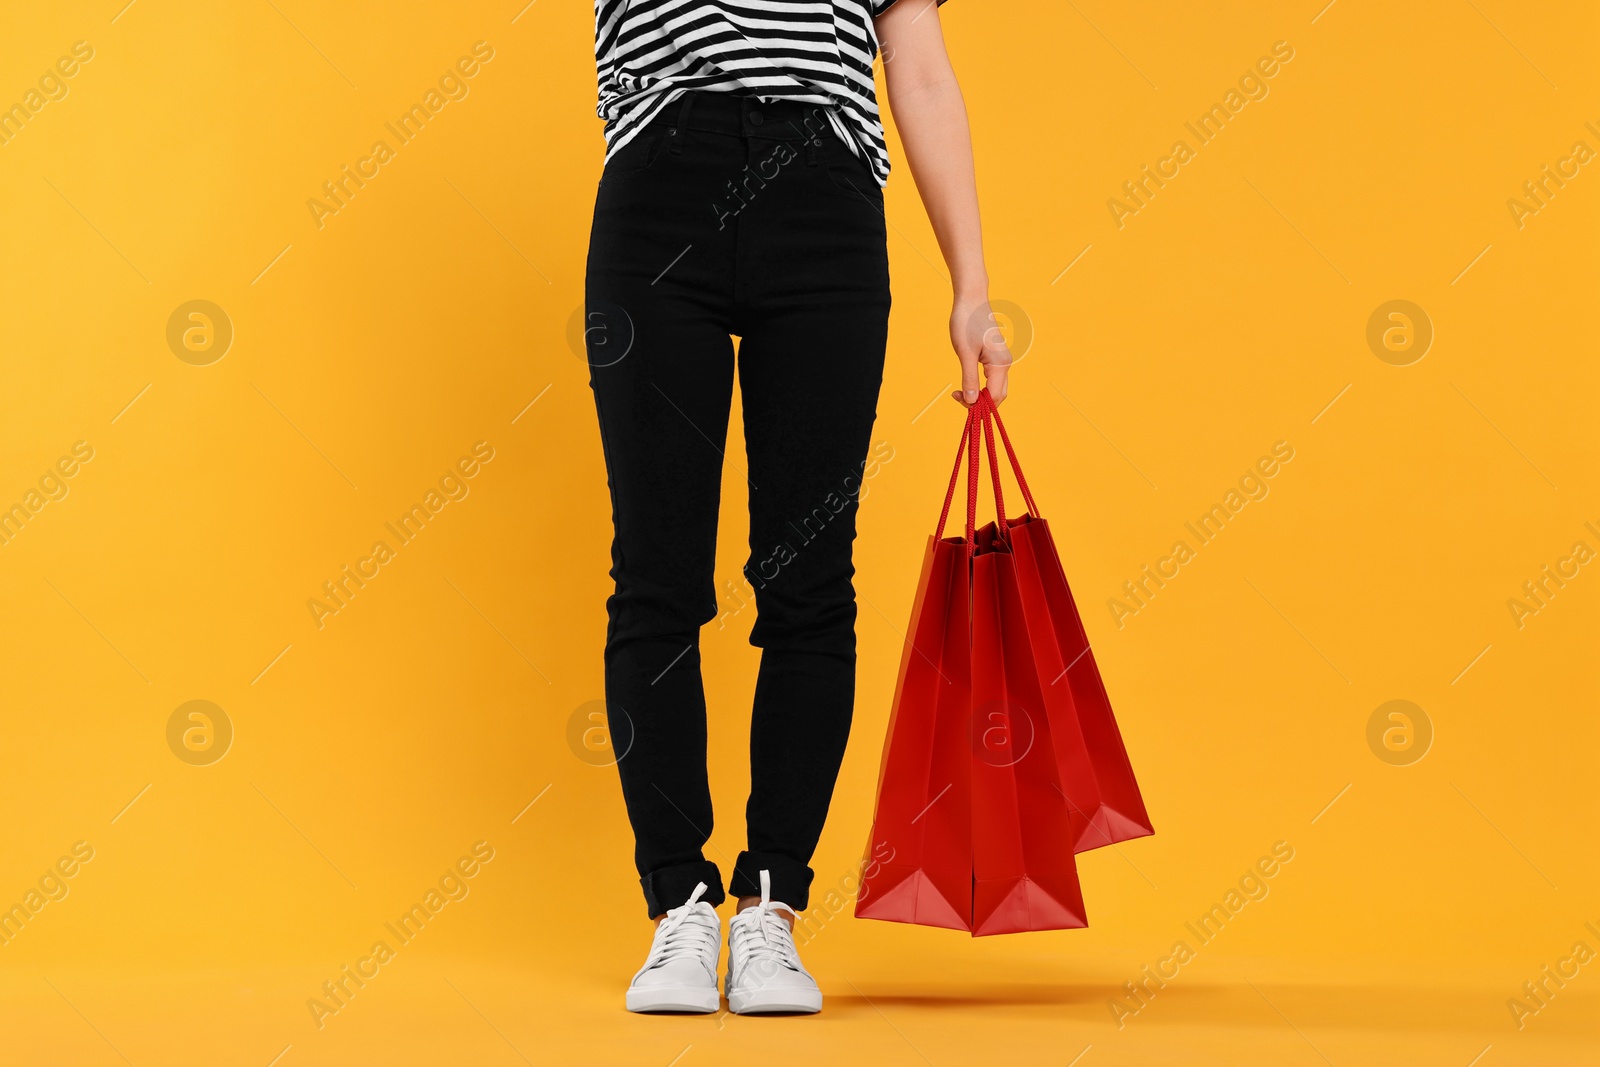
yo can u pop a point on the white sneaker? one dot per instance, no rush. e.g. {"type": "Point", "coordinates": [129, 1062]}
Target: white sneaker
{"type": "Point", "coordinates": [764, 971]}
{"type": "Point", "coordinates": [680, 973]}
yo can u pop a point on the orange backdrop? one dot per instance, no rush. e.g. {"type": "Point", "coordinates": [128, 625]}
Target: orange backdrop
{"type": "Point", "coordinates": [242, 343]}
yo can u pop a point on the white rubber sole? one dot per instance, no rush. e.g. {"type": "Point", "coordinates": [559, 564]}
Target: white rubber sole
{"type": "Point", "coordinates": [696, 999]}
{"type": "Point", "coordinates": [771, 1001]}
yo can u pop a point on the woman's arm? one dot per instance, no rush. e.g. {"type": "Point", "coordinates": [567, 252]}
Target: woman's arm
{"type": "Point", "coordinates": [932, 119]}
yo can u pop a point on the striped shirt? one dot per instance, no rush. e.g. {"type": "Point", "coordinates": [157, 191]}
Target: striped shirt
{"type": "Point", "coordinates": [650, 52]}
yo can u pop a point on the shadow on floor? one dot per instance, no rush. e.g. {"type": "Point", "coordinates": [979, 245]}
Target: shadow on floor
{"type": "Point", "coordinates": [993, 996]}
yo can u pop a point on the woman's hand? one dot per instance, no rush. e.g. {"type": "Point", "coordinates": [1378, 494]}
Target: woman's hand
{"type": "Point", "coordinates": [978, 339]}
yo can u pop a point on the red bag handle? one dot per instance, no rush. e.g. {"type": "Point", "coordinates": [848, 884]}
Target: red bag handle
{"type": "Point", "coordinates": [968, 444]}
{"type": "Point", "coordinates": [1011, 453]}
{"type": "Point", "coordinates": [983, 420]}
{"type": "Point", "coordinates": [965, 445]}
{"type": "Point", "coordinates": [986, 409]}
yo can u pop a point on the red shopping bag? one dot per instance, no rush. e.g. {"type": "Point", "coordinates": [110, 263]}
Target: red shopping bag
{"type": "Point", "coordinates": [1095, 771]}
{"type": "Point", "coordinates": [1024, 875]}
{"type": "Point", "coordinates": [918, 867]}
{"type": "Point", "coordinates": [989, 780]}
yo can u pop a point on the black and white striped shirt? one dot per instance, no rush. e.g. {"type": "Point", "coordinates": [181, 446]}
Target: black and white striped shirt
{"type": "Point", "coordinates": [650, 52]}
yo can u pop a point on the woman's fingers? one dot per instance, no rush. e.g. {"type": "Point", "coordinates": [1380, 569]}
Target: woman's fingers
{"type": "Point", "coordinates": [996, 360]}
{"type": "Point", "coordinates": [968, 394]}
{"type": "Point", "coordinates": [980, 345]}
{"type": "Point", "coordinates": [996, 379]}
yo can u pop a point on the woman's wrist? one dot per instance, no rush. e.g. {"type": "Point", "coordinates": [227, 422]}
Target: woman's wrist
{"type": "Point", "coordinates": [973, 289]}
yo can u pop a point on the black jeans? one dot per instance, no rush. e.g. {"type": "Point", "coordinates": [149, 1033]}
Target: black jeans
{"type": "Point", "coordinates": [729, 216]}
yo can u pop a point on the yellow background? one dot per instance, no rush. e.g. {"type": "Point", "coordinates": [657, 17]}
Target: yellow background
{"type": "Point", "coordinates": [371, 353]}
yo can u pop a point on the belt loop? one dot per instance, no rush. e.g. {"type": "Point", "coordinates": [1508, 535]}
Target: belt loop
{"type": "Point", "coordinates": [678, 132]}
{"type": "Point", "coordinates": [814, 127]}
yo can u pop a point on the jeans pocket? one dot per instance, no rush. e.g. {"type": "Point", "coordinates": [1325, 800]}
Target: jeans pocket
{"type": "Point", "coordinates": [635, 157]}
{"type": "Point", "coordinates": [849, 173]}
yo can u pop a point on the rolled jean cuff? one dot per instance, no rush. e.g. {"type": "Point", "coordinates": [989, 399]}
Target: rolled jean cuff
{"type": "Point", "coordinates": [671, 887]}
{"type": "Point", "coordinates": [791, 879]}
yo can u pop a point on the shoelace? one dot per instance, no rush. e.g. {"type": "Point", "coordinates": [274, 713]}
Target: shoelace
{"type": "Point", "coordinates": [765, 938]}
{"type": "Point", "coordinates": [685, 932]}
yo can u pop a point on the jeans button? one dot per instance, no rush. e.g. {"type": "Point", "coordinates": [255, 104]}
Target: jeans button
{"type": "Point", "coordinates": [756, 118]}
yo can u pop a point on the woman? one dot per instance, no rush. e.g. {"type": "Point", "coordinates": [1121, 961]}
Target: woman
{"type": "Point", "coordinates": [742, 195]}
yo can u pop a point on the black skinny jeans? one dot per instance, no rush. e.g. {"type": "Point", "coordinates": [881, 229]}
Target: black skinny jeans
{"type": "Point", "coordinates": [729, 216]}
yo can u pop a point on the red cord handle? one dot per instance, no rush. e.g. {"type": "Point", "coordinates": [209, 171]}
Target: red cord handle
{"type": "Point", "coordinates": [986, 408]}
{"type": "Point", "coordinates": [1011, 454]}
{"type": "Point", "coordinates": [950, 493]}
{"type": "Point", "coordinates": [983, 420]}
{"type": "Point", "coordinates": [968, 448]}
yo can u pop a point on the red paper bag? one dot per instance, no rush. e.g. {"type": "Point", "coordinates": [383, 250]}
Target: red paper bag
{"type": "Point", "coordinates": [973, 827]}
{"type": "Point", "coordinates": [1024, 876]}
{"type": "Point", "coordinates": [918, 867]}
{"type": "Point", "coordinates": [992, 775]}
{"type": "Point", "coordinates": [1096, 774]}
